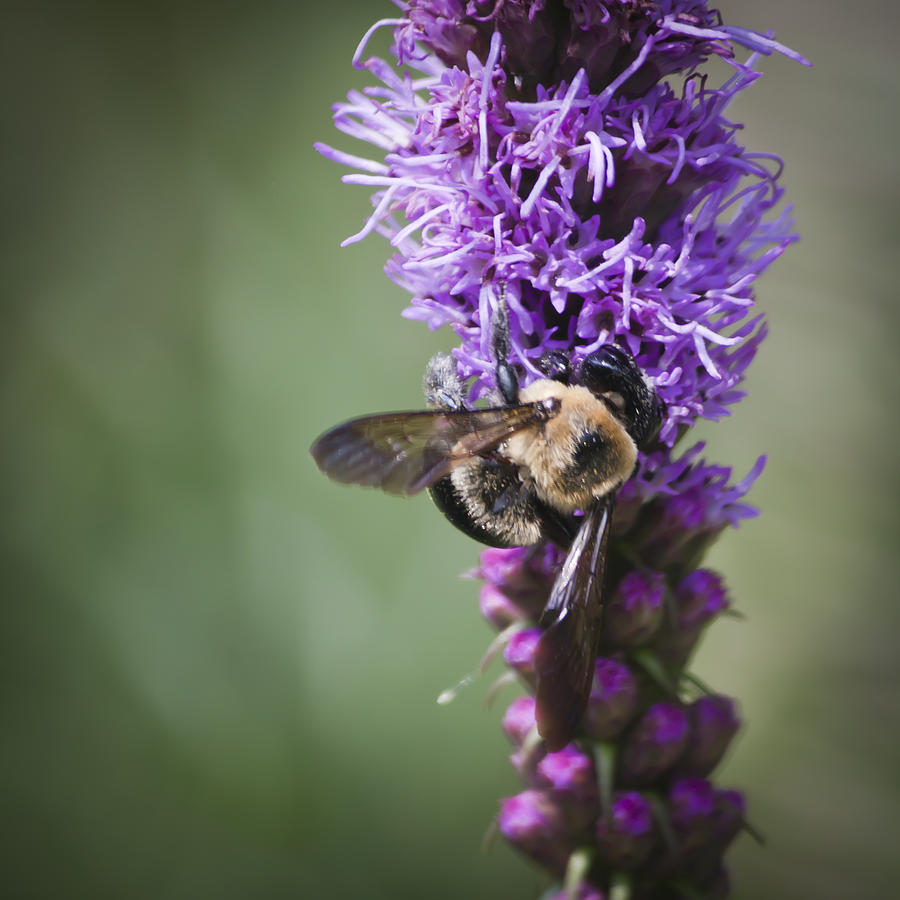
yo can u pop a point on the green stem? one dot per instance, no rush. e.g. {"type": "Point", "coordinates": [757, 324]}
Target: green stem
{"type": "Point", "coordinates": [578, 866]}
{"type": "Point", "coordinates": [606, 770]}
{"type": "Point", "coordinates": [653, 666]}
{"type": "Point", "coordinates": [620, 886]}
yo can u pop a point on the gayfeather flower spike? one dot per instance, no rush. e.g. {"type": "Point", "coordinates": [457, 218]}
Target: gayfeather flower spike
{"type": "Point", "coordinates": [561, 187]}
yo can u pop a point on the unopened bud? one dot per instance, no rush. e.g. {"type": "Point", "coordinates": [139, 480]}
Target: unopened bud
{"type": "Point", "coordinates": [533, 822]}
{"type": "Point", "coordinates": [519, 652]}
{"type": "Point", "coordinates": [654, 744]}
{"type": "Point", "coordinates": [635, 609]}
{"type": "Point", "coordinates": [612, 701]}
{"type": "Point", "coordinates": [519, 719]}
{"type": "Point", "coordinates": [714, 722]}
{"type": "Point", "coordinates": [691, 804]}
{"type": "Point", "coordinates": [626, 836]}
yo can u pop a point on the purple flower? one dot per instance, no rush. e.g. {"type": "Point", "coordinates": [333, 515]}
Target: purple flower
{"type": "Point", "coordinates": [729, 816]}
{"type": "Point", "coordinates": [626, 836]}
{"type": "Point", "coordinates": [519, 719]}
{"type": "Point", "coordinates": [692, 804]}
{"type": "Point", "coordinates": [521, 577]}
{"type": "Point", "coordinates": [573, 158]}
{"type": "Point", "coordinates": [699, 598]}
{"type": "Point", "coordinates": [534, 823]}
{"type": "Point", "coordinates": [634, 610]}
{"type": "Point", "coordinates": [568, 771]}
{"type": "Point", "coordinates": [569, 774]}
{"type": "Point", "coordinates": [654, 744]}
{"type": "Point", "coordinates": [612, 702]}
{"type": "Point", "coordinates": [713, 724]}
{"type": "Point", "coordinates": [673, 530]}
{"type": "Point", "coordinates": [497, 608]}
{"type": "Point", "coordinates": [520, 650]}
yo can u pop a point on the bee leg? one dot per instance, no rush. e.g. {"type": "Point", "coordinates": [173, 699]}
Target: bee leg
{"type": "Point", "coordinates": [442, 385]}
{"type": "Point", "coordinates": [557, 527]}
{"type": "Point", "coordinates": [508, 383]}
{"type": "Point", "coordinates": [507, 380]}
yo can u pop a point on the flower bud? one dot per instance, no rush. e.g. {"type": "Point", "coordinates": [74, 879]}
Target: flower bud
{"type": "Point", "coordinates": [530, 36]}
{"type": "Point", "coordinates": [569, 771]}
{"type": "Point", "coordinates": [593, 39]}
{"type": "Point", "coordinates": [612, 701]}
{"type": "Point", "coordinates": [570, 774]}
{"type": "Point", "coordinates": [519, 719]}
{"type": "Point", "coordinates": [691, 803]}
{"type": "Point", "coordinates": [626, 836]}
{"type": "Point", "coordinates": [714, 722]}
{"type": "Point", "coordinates": [729, 816]}
{"type": "Point", "coordinates": [523, 576]}
{"type": "Point", "coordinates": [635, 609]}
{"type": "Point", "coordinates": [533, 822]}
{"type": "Point", "coordinates": [669, 524]}
{"type": "Point", "coordinates": [447, 33]}
{"type": "Point", "coordinates": [519, 652]}
{"type": "Point", "coordinates": [654, 744]}
{"type": "Point", "coordinates": [497, 608]}
{"type": "Point", "coordinates": [699, 598]}
{"type": "Point", "coordinates": [525, 761]}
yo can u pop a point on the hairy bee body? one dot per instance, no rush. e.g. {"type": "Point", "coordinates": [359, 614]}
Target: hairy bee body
{"type": "Point", "coordinates": [580, 455]}
{"type": "Point", "coordinates": [528, 489]}
{"type": "Point", "coordinates": [515, 474]}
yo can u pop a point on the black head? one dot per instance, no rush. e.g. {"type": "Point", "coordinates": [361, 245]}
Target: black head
{"type": "Point", "coordinates": [556, 366]}
{"type": "Point", "coordinates": [612, 374]}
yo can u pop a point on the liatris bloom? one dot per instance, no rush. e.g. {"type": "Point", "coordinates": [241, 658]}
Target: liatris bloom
{"type": "Point", "coordinates": [571, 156]}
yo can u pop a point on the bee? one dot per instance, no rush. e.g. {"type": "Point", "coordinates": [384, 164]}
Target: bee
{"type": "Point", "coordinates": [517, 473]}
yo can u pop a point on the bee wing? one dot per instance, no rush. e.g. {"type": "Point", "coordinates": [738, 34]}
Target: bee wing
{"type": "Point", "coordinates": [567, 650]}
{"type": "Point", "coordinates": [405, 452]}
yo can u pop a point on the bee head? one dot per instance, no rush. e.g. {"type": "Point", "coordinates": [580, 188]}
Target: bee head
{"type": "Point", "coordinates": [611, 374]}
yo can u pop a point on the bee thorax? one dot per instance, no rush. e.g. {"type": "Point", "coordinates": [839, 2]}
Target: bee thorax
{"type": "Point", "coordinates": [581, 454]}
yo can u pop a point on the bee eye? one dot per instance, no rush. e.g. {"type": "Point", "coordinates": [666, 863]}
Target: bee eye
{"type": "Point", "coordinates": [611, 374]}
{"type": "Point", "coordinates": [556, 366]}
{"type": "Point", "coordinates": [609, 370]}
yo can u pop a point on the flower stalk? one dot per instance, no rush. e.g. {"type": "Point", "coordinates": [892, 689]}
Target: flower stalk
{"type": "Point", "coordinates": [577, 159]}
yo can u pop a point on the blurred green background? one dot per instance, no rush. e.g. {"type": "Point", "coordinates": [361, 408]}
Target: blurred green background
{"type": "Point", "coordinates": [219, 669]}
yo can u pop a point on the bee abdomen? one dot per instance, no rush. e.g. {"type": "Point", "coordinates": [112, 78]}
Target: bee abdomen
{"type": "Point", "coordinates": [487, 500]}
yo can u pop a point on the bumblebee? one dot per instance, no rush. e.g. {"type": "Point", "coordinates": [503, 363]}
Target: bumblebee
{"type": "Point", "coordinates": [517, 473]}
